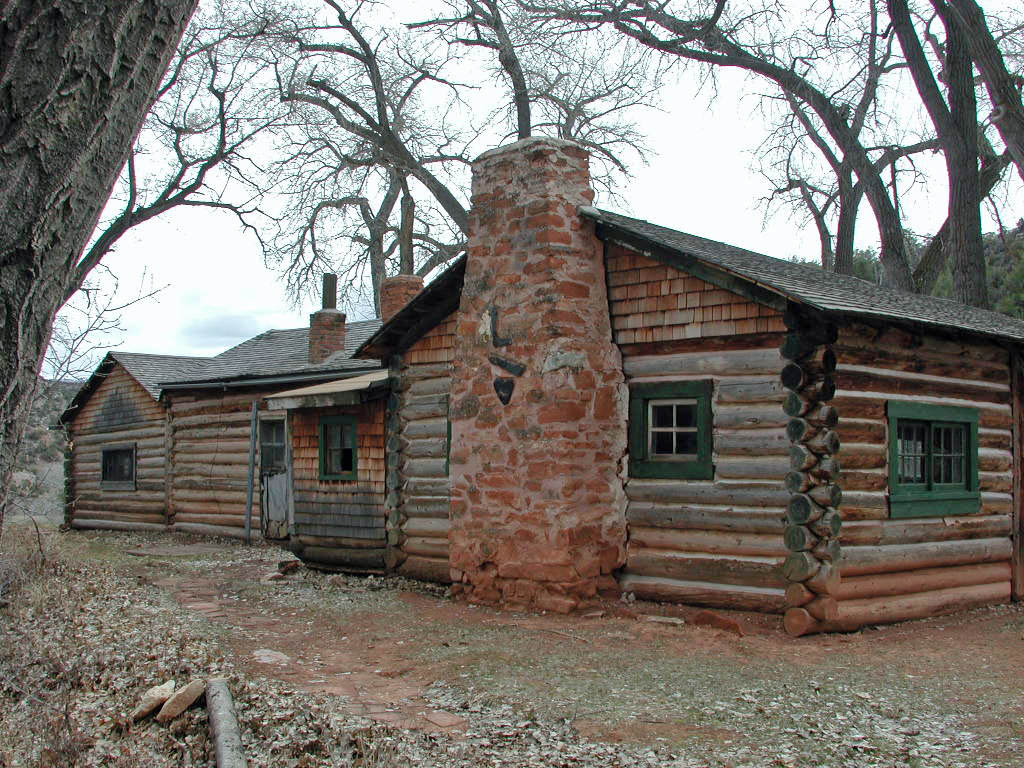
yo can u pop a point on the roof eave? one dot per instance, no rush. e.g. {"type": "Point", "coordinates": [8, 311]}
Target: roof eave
{"type": "Point", "coordinates": [429, 307]}
{"type": "Point", "coordinates": [241, 381]}
{"type": "Point", "coordinates": [716, 274]}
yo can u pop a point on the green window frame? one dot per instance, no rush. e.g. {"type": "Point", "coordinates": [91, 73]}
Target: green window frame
{"type": "Point", "coordinates": [677, 417]}
{"type": "Point", "coordinates": [339, 443]}
{"type": "Point", "coordinates": [933, 460]}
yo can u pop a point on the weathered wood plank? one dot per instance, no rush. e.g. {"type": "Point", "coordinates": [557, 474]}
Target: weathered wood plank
{"type": "Point", "coordinates": [697, 566]}
{"type": "Point", "coordinates": [704, 593]}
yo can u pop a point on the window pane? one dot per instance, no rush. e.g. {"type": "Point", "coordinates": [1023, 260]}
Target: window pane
{"type": "Point", "coordinates": [118, 465]}
{"type": "Point", "coordinates": [661, 442]}
{"type": "Point", "coordinates": [686, 443]}
{"type": "Point", "coordinates": [686, 415]}
{"type": "Point", "coordinates": [347, 456]}
{"type": "Point", "coordinates": [910, 441]}
{"type": "Point", "coordinates": [949, 458]}
{"type": "Point", "coordinates": [661, 416]}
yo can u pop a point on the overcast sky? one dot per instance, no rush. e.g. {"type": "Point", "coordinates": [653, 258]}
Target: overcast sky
{"type": "Point", "coordinates": [700, 179]}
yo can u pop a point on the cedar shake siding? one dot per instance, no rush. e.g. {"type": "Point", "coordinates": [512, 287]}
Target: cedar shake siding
{"type": "Point", "coordinates": [715, 540]}
{"type": "Point", "coordinates": [339, 524]}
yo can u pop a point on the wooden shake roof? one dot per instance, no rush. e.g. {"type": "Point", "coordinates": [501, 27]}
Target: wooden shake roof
{"type": "Point", "coordinates": [148, 370]}
{"type": "Point", "coordinates": [802, 283]}
{"type": "Point", "coordinates": [765, 279]}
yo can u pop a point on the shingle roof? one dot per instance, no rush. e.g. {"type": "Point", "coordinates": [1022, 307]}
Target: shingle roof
{"type": "Point", "coordinates": [151, 370]}
{"type": "Point", "coordinates": [148, 370]}
{"type": "Point", "coordinates": [808, 284]}
{"type": "Point", "coordinates": [279, 353]}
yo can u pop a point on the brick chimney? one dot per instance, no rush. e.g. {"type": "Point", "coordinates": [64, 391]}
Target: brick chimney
{"type": "Point", "coordinates": [397, 291]}
{"type": "Point", "coordinates": [538, 400]}
{"type": "Point", "coordinates": [327, 325]}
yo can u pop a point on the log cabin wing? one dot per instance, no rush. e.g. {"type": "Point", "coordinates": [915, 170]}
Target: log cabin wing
{"type": "Point", "coordinates": [747, 381]}
{"type": "Point", "coordinates": [117, 432]}
{"type": "Point", "coordinates": [160, 442]}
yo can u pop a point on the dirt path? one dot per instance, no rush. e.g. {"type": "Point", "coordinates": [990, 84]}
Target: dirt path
{"type": "Point", "coordinates": [941, 692]}
{"type": "Point", "coordinates": [300, 648]}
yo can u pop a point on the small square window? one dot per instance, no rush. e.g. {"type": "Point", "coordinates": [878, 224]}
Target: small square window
{"type": "Point", "coordinates": [933, 457]}
{"type": "Point", "coordinates": [117, 468]}
{"type": "Point", "coordinates": [338, 448]}
{"type": "Point", "coordinates": [670, 430]}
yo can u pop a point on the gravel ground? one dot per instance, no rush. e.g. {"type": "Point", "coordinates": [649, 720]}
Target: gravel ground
{"type": "Point", "coordinates": [85, 633]}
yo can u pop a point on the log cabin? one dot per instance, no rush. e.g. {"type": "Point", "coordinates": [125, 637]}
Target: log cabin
{"type": "Point", "coordinates": [588, 404]}
{"type": "Point", "coordinates": [187, 444]}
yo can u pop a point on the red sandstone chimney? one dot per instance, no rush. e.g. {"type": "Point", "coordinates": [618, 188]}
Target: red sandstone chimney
{"type": "Point", "coordinates": [538, 400]}
{"type": "Point", "coordinates": [397, 291]}
{"type": "Point", "coordinates": [327, 326]}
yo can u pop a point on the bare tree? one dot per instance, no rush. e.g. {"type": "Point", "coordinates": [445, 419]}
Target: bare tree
{"type": "Point", "coordinates": [374, 168]}
{"type": "Point", "coordinates": [482, 23]}
{"type": "Point", "coordinates": [811, 172]}
{"type": "Point", "coordinates": [76, 80]}
{"type": "Point", "coordinates": [588, 89]}
{"type": "Point", "coordinates": [753, 41]}
{"type": "Point", "coordinates": [1004, 87]}
{"type": "Point", "coordinates": [194, 147]}
{"type": "Point", "coordinates": [365, 165]}
{"type": "Point", "coordinates": [830, 91]}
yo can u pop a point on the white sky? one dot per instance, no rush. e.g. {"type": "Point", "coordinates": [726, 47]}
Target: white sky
{"type": "Point", "coordinates": [701, 179]}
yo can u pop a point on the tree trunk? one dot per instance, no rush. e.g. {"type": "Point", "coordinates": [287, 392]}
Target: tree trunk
{"type": "Point", "coordinates": [850, 195]}
{"type": "Point", "coordinates": [76, 80]}
{"type": "Point", "coordinates": [965, 243]}
{"type": "Point", "coordinates": [1003, 88]}
{"type": "Point", "coordinates": [956, 126]}
{"type": "Point", "coordinates": [934, 259]}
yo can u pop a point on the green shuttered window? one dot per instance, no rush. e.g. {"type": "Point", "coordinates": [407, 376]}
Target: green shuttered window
{"type": "Point", "coordinates": [670, 430]}
{"type": "Point", "coordinates": [933, 460]}
{"type": "Point", "coordinates": [338, 442]}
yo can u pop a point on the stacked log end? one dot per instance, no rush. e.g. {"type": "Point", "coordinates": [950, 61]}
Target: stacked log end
{"type": "Point", "coordinates": [812, 518]}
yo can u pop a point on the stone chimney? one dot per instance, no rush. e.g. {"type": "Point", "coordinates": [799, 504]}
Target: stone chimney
{"type": "Point", "coordinates": [327, 326]}
{"type": "Point", "coordinates": [538, 399]}
{"type": "Point", "coordinates": [397, 291]}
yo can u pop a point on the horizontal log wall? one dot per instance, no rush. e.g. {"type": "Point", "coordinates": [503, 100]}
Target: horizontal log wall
{"type": "Point", "coordinates": [119, 412]}
{"type": "Point", "coordinates": [422, 498]}
{"type": "Point", "coordinates": [707, 542]}
{"type": "Point", "coordinates": [652, 302]}
{"type": "Point", "coordinates": [209, 460]}
{"type": "Point", "coordinates": [898, 569]}
{"type": "Point", "coordinates": [340, 523]}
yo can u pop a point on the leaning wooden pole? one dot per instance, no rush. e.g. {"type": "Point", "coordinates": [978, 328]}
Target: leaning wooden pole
{"type": "Point", "coordinates": [224, 731]}
{"type": "Point", "coordinates": [813, 520]}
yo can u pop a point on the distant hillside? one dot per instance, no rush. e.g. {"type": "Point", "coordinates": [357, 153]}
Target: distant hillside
{"type": "Point", "coordinates": [39, 471]}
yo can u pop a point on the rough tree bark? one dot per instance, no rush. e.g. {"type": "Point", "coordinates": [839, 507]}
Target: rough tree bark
{"type": "Point", "coordinates": [1003, 88]}
{"type": "Point", "coordinates": [957, 128]}
{"type": "Point", "coordinates": [76, 80]}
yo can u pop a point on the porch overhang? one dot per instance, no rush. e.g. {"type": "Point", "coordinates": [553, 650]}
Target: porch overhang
{"type": "Point", "coordinates": [351, 391]}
